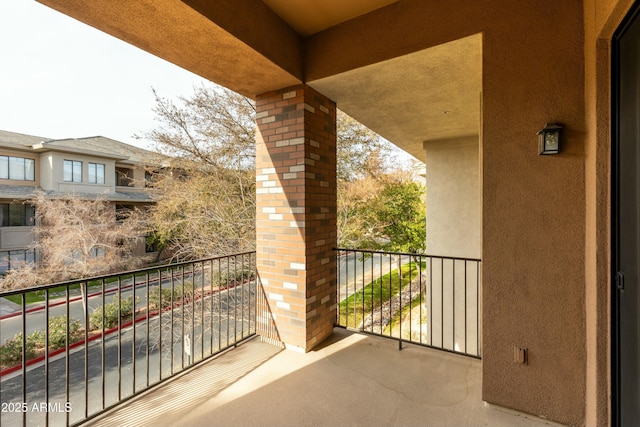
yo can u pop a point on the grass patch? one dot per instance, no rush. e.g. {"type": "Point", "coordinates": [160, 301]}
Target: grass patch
{"type": "Point", "coordinates": [11, 349]}
{"type": "Point", "coordinates": [60, 291]}
{"type": "Point", "coordinates": [31, 297]}
{"type": "Point", "coordinates": [353, 309]}
{"type": "Point", "coordinates": [393, 327]}
{"type": "Point", "coordinates": [232, 276]}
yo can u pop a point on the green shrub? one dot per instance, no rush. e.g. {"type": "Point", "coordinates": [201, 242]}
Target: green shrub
{"type": "Point", "coordinates": [11, 350]}
{"type": "Point", "coordinates": [185, 290]}
{"type": "Point", "coordinates": [58, 332]}
{"type": "Point", "coordinates": [162, 298]}
{"type": "Point", "coordinates": [111, 313]}
{"type": "Point", "coordinates": [232, 276]}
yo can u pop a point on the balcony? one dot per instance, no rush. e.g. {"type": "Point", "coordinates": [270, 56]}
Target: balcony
{"type": "Point", "coordinates": [351, 379]}
{"type": "Point", "coordinates": [181, 349]}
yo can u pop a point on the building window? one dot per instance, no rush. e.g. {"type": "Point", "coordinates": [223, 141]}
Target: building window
{"type": "Point", "coordinates": [72, 171]}
{"type": "Point", "coordinates": [123, 212]}
{"type": "Point", "coordinates": [98, 252]}
{"type": "Point", "coordinates": [16, 215]}
{"type": "Point", "coordinates": [148, 179]}
{"type": "Point", "coordinates": [17, 168]}
{"type": "Point", "coordinates": [96, 173]}
{"type": "Point", "coordinates": [13, 259]}
{"type": "Point", "coordinates": [4, 262]}
{"type": "Point", "coordinates": [124, 177]}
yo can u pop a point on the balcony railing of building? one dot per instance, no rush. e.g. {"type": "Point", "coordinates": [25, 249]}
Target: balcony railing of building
{"type": "Point", "coordinates": [70, 351]}
{"type": "Point", "coordinates": [87, 345]}
{"type": "Point", "coordinates": [429, 300]}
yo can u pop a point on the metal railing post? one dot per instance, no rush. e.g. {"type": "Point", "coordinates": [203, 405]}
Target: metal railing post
{"type": "Point", "coordinates": [386, 313]}
{"type": "Point", "coordinates": [78, 359]}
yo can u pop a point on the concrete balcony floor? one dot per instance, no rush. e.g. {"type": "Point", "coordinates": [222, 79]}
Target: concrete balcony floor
{"type": "Point", "coordinates": [351, 379]}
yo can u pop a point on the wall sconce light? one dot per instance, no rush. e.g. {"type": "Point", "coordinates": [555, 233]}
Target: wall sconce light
{"type": "Point", "coordinates": [549, 139]}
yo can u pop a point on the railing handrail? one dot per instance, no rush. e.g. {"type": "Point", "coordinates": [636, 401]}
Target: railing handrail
{"type": "Point", "coordinates": [174, 318]}
{"type": "Point", "coordinates": [408, 254]}
{"type": "Point", "coordinates": [428, 300]}
{"type": "Point", "coordinates": [9, 292]}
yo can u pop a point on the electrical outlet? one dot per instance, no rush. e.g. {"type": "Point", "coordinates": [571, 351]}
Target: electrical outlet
{"type": "Point", "coordinates": [520, 355]}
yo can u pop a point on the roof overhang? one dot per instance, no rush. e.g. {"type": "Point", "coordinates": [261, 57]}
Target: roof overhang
{"type": "Point", "coordinates": [43, 147]}
{"type": "Point", "coordinates": [410, 86]}
{"type": "Point", "coordinates": [433, 94]}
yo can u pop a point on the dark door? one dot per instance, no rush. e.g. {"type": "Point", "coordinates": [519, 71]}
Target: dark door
{"type": "Point", "coordinates": [626, 222]}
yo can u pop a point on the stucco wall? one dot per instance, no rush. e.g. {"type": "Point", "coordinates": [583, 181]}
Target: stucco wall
{"type": "Point", "coordinates": [453, 213]}
{"type": "Point", "coordinates": [139, 179]}
{"type": "Point", "coordinates": [52, 174]}
{"type": "Point", "coordinates": [533, 206]}
{"type": "Point", "coordinates": [46, 171]}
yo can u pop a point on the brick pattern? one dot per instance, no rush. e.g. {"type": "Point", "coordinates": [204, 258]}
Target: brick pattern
{"type": "Point", "coordinates": [296, 215]}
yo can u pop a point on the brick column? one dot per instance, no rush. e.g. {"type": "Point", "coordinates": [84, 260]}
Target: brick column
{"type": "Point", "coordinates": [296, 216]}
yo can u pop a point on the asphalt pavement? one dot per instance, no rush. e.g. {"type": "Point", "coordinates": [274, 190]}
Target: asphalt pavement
{"type": "Point", "coordinates": [112, 367]}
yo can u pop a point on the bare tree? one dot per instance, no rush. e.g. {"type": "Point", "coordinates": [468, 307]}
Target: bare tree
{"type": "Point", "coordinates": [75, 238]}
{"type": "Point", "coordinates": [215, 127]}
{"type": "Point", "coordinates": [207, 212]}
{"type": "Point", "coordinates": [206, 199]}
{"type": "Point", "coordinates": [361, 153]}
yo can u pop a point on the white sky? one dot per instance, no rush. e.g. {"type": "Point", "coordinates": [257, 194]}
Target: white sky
{"type": "Point", "coordinates": [60, 78]}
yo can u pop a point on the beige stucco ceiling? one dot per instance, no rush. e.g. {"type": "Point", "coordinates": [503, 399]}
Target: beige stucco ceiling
{"type": "Point", "coordinates": [310, 16]}
{"type": "Point", "coordinates": [433, 94]}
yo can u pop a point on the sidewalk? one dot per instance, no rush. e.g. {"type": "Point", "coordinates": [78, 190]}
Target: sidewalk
{"type": "Point", "coordinates": [8, 307]}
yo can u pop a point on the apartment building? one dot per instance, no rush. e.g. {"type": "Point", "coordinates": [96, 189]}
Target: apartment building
{"type": "Point", "coordinates": [87, 167]}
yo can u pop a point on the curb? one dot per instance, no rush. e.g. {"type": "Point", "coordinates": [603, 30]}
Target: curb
{"type": "Point", "coordinates": [105, 332]}
{"type": "Point", "coordinates": [74, 299]}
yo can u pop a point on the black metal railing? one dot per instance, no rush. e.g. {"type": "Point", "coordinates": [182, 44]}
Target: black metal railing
{"type": "Point", "coordinates": [72, 350]}
{"type": "Point", "coordinates": [423, 299]}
